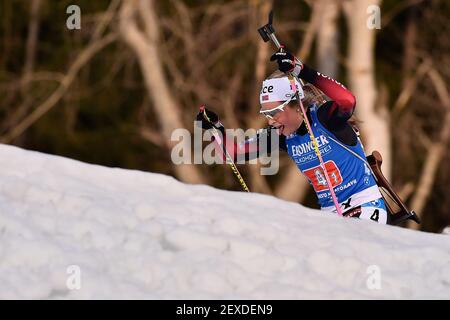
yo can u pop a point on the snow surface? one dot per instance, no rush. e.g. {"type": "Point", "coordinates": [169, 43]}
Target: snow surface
{"type": "Point", "coordinates": [147, 236]}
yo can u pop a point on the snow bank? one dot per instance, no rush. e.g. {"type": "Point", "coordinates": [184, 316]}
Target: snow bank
{"type": "Point", "coordinates": [122, 234]}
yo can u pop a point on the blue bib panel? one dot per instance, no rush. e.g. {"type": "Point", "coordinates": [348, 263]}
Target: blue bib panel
{"type": "Point", "coordinates": [348, 174]}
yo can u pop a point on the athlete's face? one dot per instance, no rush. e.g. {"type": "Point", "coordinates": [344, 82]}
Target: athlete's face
{"type": "Point", "coordinates": [287, 120]}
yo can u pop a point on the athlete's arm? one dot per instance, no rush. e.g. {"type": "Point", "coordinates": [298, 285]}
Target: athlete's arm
{"type": "Point", "coordinates": [335, 113]}
{"type": "Point", "coordinates": [252, 148]}
{"type": "Point", "coordinates": [343, 100]}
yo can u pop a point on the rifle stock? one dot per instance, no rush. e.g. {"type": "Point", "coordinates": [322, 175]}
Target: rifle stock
{"type": "Point", "coordinates": [394, 217]}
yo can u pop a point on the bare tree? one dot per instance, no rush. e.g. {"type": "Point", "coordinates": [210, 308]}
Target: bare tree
{"type": "Point", "coordinates": [361, 61]}
{"type": "Point", "coordinates": [327, 49]}
{"type": "Point", "coordinates": [145, 42]}
{"type": "Point", "coordinates": [258, 182]}
{"type": "Point", "coordinates": [436, 150]}
{"type": "Point", "coordinates": [82, 59]}
{"type": "Point", "coordinates": [30, 54]}
{"type": "Point", "coordinates": [293, 186]}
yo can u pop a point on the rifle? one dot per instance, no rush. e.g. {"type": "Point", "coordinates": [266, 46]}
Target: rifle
{"type": "Point", "coordinates": [395, 217]}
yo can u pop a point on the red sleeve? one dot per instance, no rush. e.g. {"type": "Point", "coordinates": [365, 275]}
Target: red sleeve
{"type": "Point", "coordinates": [236, 151]}
{"type": "Point", "coordinates": [249, 149]}
{"type": "Point", "coordinates": [241, 151]}
{"type": "Point", "coordinates": [344, 100]}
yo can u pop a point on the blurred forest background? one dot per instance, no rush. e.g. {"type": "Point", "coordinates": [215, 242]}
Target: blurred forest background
{"type": "Point", "coordinates": [112, 92]}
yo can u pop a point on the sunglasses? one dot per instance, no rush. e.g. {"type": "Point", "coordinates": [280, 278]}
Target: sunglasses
{"type": "Point", "coordinates": [270, 114]}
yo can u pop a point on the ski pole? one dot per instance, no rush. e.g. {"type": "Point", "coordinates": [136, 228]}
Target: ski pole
{"type": "Point", "coordinates": [267, 33]}
{"type": "Point", "coordinates": [229, 160]}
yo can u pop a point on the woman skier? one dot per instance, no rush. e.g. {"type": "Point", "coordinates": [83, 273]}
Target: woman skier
{"type": "Point", "coordinates": [329, 108]}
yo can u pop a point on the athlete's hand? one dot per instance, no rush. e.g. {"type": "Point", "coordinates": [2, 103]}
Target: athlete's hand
{"type": "Point", "coordinates": [287, 62]}
{"type": "Point", "coordinates": [207, 118]}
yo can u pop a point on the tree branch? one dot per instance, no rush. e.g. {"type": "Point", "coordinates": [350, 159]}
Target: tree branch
{"type": "Point", "coordinates": [42, 109]}
{"type": "Point", "coordinates": [436, 150]}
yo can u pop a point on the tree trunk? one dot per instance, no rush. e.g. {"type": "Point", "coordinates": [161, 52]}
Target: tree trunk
{"type": "Point", "coordinates": [375, 125]}
{"type": "Point", "coordinates": [327, 39]}
{"type": "Point", "coordinates": [294, 187]}
{"type": "Point", "coordinates": [144, 43]}
{"type": "Point", "coordinates": [436, 151]}
{"type": "Point", "coordinates": [30, 53]}
{"type": "Point", "coordinates": [258, 181]}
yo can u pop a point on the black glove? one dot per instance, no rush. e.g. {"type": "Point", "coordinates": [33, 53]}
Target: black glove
{"type": "Point", "coordinates": [208, 119]}
{"type": "Point", "coordinates": [287, 62]}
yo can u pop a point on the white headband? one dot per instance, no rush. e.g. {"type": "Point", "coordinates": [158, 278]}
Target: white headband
{"type": "Point", "coordinates": [279, 89]}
